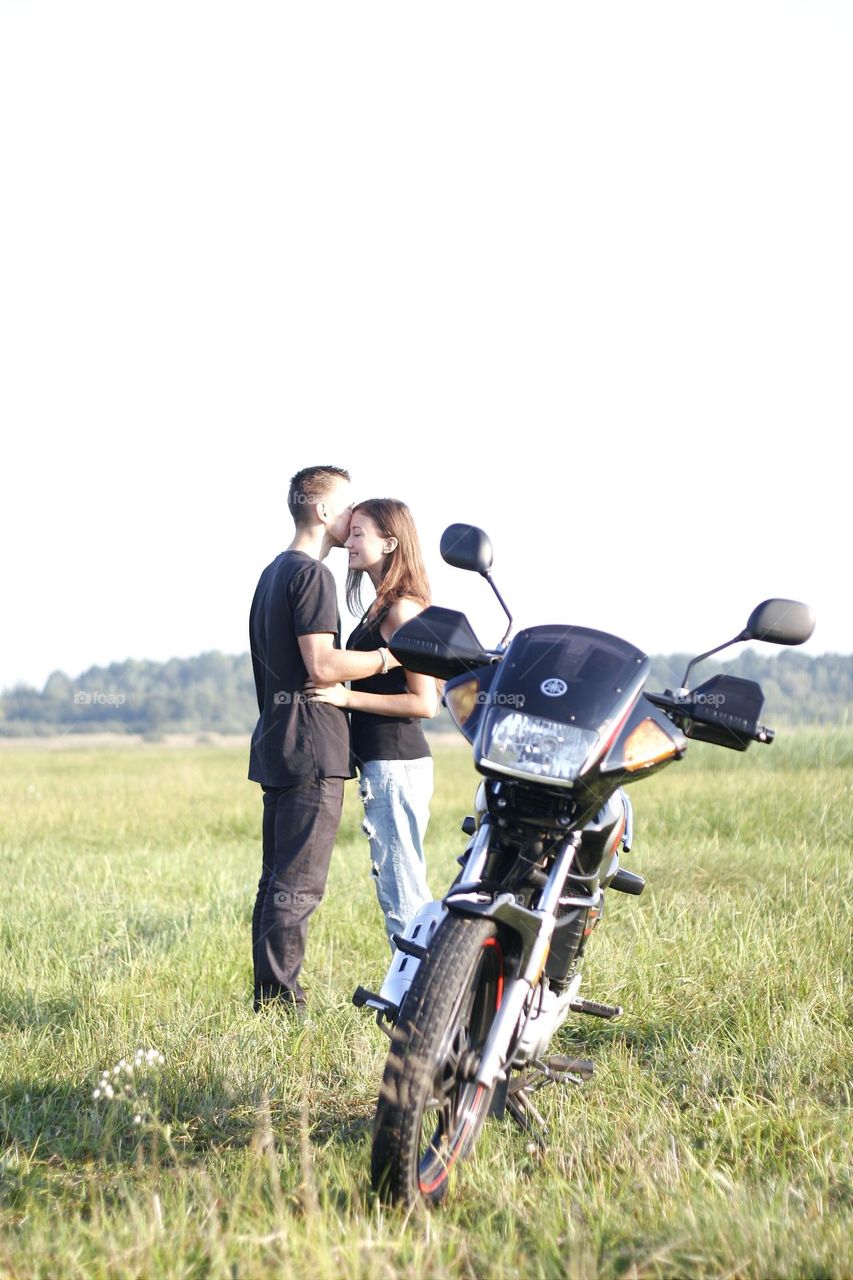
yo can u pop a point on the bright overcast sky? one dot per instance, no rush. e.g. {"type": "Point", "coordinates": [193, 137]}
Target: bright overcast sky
{"type": "Point", "coordinates": [579, 273]}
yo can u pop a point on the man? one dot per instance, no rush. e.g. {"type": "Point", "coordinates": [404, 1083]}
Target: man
{"type": "Point", "coordinates": [300, 751]}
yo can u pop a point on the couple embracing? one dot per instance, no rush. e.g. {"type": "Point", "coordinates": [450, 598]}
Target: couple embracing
{"type": "Point", "coordinates": [304, 746]}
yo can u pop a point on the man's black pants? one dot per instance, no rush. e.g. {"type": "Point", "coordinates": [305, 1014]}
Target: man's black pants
{"type": "Point", "coordinates": [299, 828]}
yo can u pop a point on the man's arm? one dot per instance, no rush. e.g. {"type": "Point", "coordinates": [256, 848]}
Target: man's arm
{"type": "Point", "coordinates": [421, 697]}
{"type": "Point", "coordinates": [327, 665]}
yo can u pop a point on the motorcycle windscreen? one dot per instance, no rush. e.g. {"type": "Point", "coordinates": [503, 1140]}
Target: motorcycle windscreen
{"type": "Point", "coordinates": [559, 697]}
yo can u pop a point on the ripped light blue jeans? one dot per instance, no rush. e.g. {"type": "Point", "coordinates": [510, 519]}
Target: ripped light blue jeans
{"type": "Point", "coordinates": [396, 796]}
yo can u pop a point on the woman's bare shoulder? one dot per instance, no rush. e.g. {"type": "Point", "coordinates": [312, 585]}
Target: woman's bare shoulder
{"type": "Point", "coordinates": [399, 612]}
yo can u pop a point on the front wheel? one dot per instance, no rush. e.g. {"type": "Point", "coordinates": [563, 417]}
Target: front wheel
{"type": "Point", "coordinates": [430, 1109]}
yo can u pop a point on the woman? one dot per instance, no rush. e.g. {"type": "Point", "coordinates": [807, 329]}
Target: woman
{"type": "Point", "coordinates": [390, 750]}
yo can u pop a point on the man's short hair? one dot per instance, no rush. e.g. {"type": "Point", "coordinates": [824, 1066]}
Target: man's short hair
{"type": "Point", "coordinates": [310, 486]}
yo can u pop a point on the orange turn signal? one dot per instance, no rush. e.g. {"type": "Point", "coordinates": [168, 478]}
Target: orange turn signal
{"type": "Point", "coordinates": [648, 744]}
{"type": "Point", "coordinates": [461, 701]}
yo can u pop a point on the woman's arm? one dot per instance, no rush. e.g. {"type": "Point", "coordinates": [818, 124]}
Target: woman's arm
{"type": "Point", "coordinates": [421, 697]}
{"type": "Point", "coordinates": [415, 703]}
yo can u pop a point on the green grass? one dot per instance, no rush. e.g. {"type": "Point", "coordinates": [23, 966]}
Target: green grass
{"type": "Point", "coordinates": [713, 1141]}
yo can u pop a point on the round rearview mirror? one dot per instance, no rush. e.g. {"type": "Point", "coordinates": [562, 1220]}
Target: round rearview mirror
{"type": "Point", "coordinates": [466, 547]}
{"type": "Point", "coordinates": [780, 622]}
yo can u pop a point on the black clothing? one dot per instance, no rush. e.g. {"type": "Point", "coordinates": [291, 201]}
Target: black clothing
{"type": "Point", "coordinates": [382, 737]}
{"type": "Point", "coordinates": [299, 829]}
{"type": "Point", "coordinates": [294, 739]}
{"type": "Point", "coordinates": [300, 755]}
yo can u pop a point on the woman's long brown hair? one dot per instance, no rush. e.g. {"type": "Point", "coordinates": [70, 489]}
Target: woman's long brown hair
{"type": "Point", "coordinates": [403, 573]}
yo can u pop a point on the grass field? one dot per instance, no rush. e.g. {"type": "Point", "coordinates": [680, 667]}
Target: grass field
{"type": "Point", "coordinates": [715, 1139]}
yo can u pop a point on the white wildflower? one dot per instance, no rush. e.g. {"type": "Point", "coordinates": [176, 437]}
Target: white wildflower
{"type": "Point", "coordinates": [122, 1082]}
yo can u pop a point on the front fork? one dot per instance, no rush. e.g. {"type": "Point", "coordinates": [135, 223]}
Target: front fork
{"type": "Point", "coordinates": [534, 927]}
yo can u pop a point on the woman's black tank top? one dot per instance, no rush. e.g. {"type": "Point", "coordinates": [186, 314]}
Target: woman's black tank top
{"type": "Point", "coordinates": [382, 737]}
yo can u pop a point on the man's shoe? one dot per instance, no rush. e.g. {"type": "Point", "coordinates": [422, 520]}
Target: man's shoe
{"type": "Point", "coordinates": [275, 997]}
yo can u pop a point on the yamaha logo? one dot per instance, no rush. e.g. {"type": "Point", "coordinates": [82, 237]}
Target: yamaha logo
{"type": "Point", "coordinates": [553, 687]}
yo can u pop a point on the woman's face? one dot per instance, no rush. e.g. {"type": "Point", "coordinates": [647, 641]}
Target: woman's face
{"type": "Point", "coordinates": [365, 544]}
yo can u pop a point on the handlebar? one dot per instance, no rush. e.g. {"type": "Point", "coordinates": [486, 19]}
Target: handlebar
{"type": "Point", "coordinates": [734, 727]}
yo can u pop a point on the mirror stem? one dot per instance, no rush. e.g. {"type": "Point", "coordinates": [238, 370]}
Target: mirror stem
{"type": "Point", "coordinates": [502, 603]}
{"type": "Point", "coordinates": [702, 656]}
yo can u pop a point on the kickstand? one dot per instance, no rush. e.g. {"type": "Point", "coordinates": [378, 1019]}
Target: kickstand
{"type": "Point", "coordinates": [515, 1094]}
{"type": "Point", "coordinates": [526, 1116]}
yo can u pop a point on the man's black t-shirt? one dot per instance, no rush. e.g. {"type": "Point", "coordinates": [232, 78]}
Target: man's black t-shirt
{"type": "Point", "coordinates": [294, 739]}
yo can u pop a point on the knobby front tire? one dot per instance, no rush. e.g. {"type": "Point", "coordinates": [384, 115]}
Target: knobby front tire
{"type": "Point", "coordinates": [430, 1111]}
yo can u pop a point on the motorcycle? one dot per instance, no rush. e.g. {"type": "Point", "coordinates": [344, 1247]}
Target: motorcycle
{"type": "Point", "coordinates": [481, 981]}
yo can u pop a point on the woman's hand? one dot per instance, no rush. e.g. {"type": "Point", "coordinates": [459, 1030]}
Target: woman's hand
{"type": "Point", "coordinates": [337, 695]}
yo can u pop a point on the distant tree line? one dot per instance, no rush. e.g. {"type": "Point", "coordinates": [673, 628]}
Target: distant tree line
{"type": "Point", "coordinates": [212, 692]}
{"type": "Point", "coordinates": [215, 692]}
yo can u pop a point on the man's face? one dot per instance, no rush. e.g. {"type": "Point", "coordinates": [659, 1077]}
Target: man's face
{"type": "Point", "coordinates": [336, 511]}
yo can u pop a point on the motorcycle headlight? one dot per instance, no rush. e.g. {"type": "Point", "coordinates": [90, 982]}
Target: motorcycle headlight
{"type": "Point", "coordinates": [516, 743]}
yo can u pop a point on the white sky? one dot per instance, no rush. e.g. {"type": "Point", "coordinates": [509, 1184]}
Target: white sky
{"type": "Point", "coordinates": [581, 274]}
